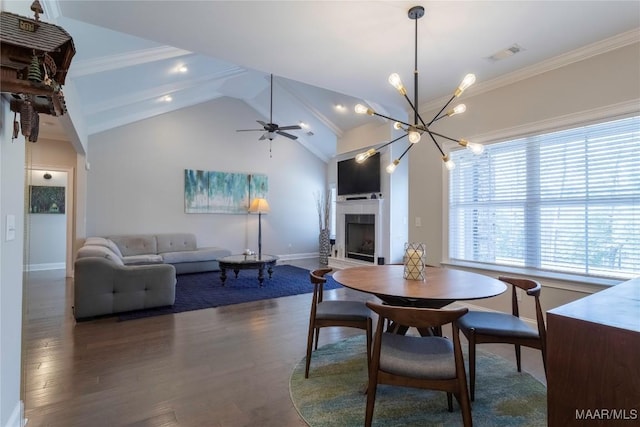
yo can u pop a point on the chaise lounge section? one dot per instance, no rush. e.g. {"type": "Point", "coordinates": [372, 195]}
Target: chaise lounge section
{"type": "Point", "coordinates": [104, 285]}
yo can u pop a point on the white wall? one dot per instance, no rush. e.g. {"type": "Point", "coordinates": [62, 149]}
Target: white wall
{"type": "Point", "coordinates": [136, 184]}
{"type": "Point", "coordinates": [12, 160]}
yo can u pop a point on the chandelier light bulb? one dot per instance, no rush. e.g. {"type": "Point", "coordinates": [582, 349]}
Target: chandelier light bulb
{"type": "Point", "coordinates": [468, 80]}
{"type": "Point", "coordinates": [360, 158]}
{"type": "Point", "coordinates": [414, 136]}
{"type": "Point", "coordinates": [448, 163]}
{"type": "Point", "coordinates": [458, 109]}
{"type": "Point", "coordinates": [392, 166]}
{"type": "Point", "coordinates": [474, 147]}
{"type": "Point", "coordinates": [397, 126]}
{"type": "Point", "coordinates": [395, 81]}
{"type": "Point", "coordinates": [362, 109]}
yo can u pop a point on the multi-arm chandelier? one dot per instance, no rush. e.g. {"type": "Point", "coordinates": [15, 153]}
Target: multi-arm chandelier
{"type": "Point", "coordinates": [419, 127]}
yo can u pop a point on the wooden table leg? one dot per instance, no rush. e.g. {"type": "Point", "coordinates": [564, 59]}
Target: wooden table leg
{"type": "Point", "coordinates": [223, 274]}
{"type": "Point", "coordinates": [261, 275]}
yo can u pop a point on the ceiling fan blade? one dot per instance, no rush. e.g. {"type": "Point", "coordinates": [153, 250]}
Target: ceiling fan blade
{"type": "Point", "coordinates": [261, 122]}
{"type": "Point", "coordinates": [249, 130]}
{"type": "Point", "coordinates": [293, 127]}
{"type": "Point", "coordinates": [262, 137]}
{"type": "Point", "coordinates": [288, 135]}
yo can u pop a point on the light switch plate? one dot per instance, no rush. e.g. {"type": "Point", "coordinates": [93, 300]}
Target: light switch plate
{"type": "Point", "coordinates": [11, 227]}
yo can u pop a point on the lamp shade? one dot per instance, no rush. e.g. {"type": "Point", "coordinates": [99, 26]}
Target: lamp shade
{"type": "Point", "coordinates": [259, 206]}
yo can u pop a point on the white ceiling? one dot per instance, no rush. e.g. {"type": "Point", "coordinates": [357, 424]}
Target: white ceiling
{"type": "Point", "coordinates": [322, 53]}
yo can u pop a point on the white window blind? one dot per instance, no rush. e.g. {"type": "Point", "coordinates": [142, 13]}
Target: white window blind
{"type": "Point", "coordinates": [565, 201]}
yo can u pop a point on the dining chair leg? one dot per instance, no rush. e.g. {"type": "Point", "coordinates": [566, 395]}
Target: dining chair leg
{"type": "Point", "coordinates": [465, 408]}
{"type": "Point", "coordinates": [518, 360]}
{"type": "Point", "coordinates": [371, 398]}
{"type": "Point", "coordinates": [450, 402]}
{"type": "Point", "coordinates": [472, 364]}
{"type": "Point", "coordinates": [309, 347]}
{"type": "Point", "coordinates": [317, 337]}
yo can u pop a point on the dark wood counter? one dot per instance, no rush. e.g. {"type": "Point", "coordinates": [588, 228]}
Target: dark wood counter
{"type": "Point", "coordinates": [593, 359]}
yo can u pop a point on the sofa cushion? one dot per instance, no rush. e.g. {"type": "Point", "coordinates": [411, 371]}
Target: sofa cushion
{"type": "Point", "coordinates": [202, 254]}
{"type": "Point", "coordinates": [101, 241]}
{"type": "Point", "coordinates": [174, 242]}
{"type": "Point", "coordinates": [142, 244]}
{"type": "Point", "coordinates": [99, 252]}
{"type": "Point", "coordinates": [142, 259]}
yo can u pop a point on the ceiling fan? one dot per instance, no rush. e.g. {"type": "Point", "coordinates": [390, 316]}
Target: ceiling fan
{"type": "Point", "coordinates": [271, 129]}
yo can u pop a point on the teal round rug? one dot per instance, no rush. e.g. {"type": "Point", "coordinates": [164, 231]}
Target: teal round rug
{"type": "Point", "coordinates": [333, 394]}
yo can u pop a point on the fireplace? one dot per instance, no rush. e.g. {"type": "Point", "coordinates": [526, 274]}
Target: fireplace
{"type": "Point", "coordinates": [360, 237]}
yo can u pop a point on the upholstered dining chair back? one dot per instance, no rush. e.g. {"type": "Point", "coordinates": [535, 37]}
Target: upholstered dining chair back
{"type": "Point", "coordinates": [426, 362]}
{"type": "Point", "coordinates": [491, 327]}
{"type": "Point", "coordinates": [343, 313]}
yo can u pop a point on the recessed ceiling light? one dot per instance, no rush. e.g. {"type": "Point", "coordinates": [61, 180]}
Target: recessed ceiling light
{"type": "Point", "coordinates": [340, 107]}
{"type": "Point", "coordinates": [303, 125]}
{"type": "Point", "coordinates": [166, 98]}
{"type": "Point", "coordinates": [182, 69]}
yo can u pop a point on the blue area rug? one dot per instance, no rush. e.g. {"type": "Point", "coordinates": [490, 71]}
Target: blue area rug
{"type": "Point", "coordinates": [204, 290]}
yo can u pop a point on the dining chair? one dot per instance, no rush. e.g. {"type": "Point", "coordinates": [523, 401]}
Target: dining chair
{"type": "Point", "coordinates": [345, 313]}
{"type": "Point", "coordinates": [426, 362]}
{"type": "Point", "coordinates": [490, 327]}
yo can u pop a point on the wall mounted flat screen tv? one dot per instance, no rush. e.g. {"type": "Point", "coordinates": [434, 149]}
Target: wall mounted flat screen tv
{"type": "Point", "coordinates": [359, 178]}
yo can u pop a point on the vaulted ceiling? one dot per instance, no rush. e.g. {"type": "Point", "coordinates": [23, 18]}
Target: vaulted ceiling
{"type": "Point", "coordinates": [322, 53]}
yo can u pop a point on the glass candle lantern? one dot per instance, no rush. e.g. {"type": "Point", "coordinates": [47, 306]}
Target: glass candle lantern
{"type": "Point", "coordinates": [415, 257]}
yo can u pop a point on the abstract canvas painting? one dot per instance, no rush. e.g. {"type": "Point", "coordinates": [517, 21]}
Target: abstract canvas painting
{"type": "Point", "coordinates": [221, 192]}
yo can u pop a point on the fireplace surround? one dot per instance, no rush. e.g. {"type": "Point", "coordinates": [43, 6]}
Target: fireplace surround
{"type": "Point", "coordinates": [360, 237]}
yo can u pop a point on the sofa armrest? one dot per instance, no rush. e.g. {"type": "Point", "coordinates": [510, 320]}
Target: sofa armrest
{"type": "Point", "coordinates": [104, 287]}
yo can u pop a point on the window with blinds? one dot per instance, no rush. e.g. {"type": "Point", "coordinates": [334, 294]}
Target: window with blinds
{"type": "Point", "coordinates": [566, 201]}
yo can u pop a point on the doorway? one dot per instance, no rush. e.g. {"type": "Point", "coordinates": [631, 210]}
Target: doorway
{"type": "Point", "coordinates": [49, 211]}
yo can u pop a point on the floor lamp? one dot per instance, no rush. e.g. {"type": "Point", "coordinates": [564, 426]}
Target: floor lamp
{"type": "Point", "coordinates": [259, 206]}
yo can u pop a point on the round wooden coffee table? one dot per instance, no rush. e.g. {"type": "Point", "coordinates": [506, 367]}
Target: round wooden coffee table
{"type": "Point", "coordinates": [247, 262]}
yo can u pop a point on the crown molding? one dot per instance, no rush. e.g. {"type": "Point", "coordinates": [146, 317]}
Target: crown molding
{"type": "Point", "coordinates": [580, 54]}
{"type": "Point", "coordinates": [156, 92]}
{"type": "Point", "coordinates": [123, 60]}
{"type": "Point", "coordinates": [51, 9]}
{"type": "Point", "coordinates": [309, 106]}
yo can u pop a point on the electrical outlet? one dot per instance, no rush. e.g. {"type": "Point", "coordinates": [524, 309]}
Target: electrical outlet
{"type": "Point", "coordinates": [418, 221]}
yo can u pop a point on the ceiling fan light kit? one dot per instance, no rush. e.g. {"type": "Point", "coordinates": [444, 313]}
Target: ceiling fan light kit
{"type": "Point", "coordinates": [419, 127]}
{"type": "Point", "coordinates": [270, 130]}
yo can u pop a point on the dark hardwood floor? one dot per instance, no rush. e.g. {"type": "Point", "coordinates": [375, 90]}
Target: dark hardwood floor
{"type": "Point", "coordinates": [226, 366]}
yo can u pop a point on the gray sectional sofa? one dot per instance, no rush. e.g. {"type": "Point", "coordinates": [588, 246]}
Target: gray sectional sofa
{"type": "Point", "coordinates": [130, 272]}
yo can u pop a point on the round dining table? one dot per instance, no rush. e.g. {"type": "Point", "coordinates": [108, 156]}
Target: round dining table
{"type": "Point", "coordinates": [440, 287]}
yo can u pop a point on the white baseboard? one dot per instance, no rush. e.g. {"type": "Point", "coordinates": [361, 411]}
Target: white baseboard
{"type": "Point", "coordinates": [46, 266]}
{"type": "Point", "coordinates": [291, 257]}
